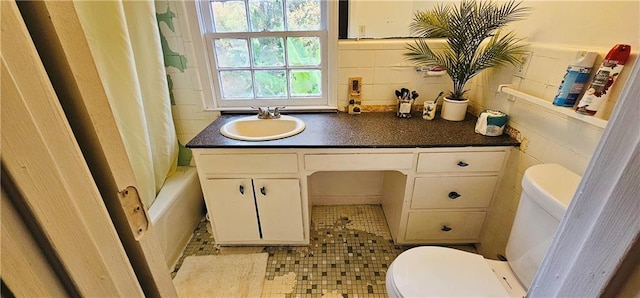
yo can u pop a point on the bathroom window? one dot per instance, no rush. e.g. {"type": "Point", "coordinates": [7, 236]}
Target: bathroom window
{"type": "Point", "coordinates": [268, 52]}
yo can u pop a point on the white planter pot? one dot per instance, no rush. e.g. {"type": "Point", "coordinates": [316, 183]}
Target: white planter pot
{"type": "Point", "coordinates": [454, 110]}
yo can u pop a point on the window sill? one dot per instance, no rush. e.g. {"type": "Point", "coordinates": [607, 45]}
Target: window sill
{"type": "Point", "coordinates": [287, 110]}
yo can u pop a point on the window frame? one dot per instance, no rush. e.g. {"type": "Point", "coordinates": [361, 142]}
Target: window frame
{"type": "Point", "coordinates": [199, 17]}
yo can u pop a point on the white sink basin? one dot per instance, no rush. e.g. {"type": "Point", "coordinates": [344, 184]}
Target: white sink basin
{"type": "Point", "coordinates": [253, 129]}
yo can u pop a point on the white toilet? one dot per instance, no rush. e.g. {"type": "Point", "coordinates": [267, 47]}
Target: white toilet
{"type": "Point", "coordinates": [432, 271]}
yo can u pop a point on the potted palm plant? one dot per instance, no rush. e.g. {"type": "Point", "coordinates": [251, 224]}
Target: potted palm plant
{"type": "Point", "coordinates": [474, 43]}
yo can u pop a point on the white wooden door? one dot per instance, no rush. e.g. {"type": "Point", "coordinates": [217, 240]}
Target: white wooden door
{"type": "Point", "coordinates": [279, 209]}
{"type": "Point", "coordinates": [46, 178]}
{"type": "Point", "coordinates": [57, 34]}
{"type": "Point", "coordinates": [23, 259]}
{"type": "Point", "coordinates": [232, 209]}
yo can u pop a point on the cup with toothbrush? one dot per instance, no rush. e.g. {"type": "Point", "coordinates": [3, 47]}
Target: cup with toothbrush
{"type": "Point", "coordinates": [429, 111]}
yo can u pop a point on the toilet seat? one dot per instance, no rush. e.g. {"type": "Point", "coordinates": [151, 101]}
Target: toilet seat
{"type": "Point", "coordinates": [432, 271]}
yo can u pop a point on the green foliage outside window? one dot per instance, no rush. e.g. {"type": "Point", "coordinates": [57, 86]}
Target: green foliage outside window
{"type": "Point", "coordinates": [272, 71]}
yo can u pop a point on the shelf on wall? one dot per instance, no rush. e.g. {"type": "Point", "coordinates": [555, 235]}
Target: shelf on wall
{"type": "Point", "coordinates": [566, 111]}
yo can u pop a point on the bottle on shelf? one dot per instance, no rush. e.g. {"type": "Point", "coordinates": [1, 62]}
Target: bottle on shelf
{"type": "Point", "coordinates": [574, 79]}
{"type": "Point", "coordinates": [598, 91]}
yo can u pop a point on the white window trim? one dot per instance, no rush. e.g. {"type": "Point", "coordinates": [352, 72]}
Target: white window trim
{"type": "Point", "coordinates": [207, 78]}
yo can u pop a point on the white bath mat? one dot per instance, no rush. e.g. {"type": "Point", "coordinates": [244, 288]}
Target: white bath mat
{"type": "Point", "coordinates": [221, 276]}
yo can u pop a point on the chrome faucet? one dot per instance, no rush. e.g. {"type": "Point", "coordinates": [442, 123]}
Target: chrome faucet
{"type": "Point", "coordinates": [263, 113]}
{"type": "Point", "coordinates": [266, 113]}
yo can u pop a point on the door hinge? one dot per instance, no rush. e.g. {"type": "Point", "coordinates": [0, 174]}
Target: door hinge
{"type": "Point", "coordinates": [134, 211]}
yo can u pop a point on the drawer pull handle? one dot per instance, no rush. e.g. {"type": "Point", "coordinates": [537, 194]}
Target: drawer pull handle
{"type": "Point", "coordinates": [263, 191]}
{"type": "Point", "coordinates": [462, 164]}
{"type": "Point", "coordinates": [446, 228]}
{"type": "Point", "coordinates": [454, 195]}
{"type": "Point", "coordinates": [241, 189]}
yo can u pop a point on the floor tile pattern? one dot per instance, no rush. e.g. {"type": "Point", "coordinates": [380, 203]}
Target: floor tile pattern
{"type": "Point", "coordinates": [348, 256]}
{"type": "Point", "coordinates": [350, 251]}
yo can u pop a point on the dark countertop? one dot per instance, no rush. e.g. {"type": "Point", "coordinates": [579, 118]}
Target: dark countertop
{"type": "Point", "coordinates": [367, 130]}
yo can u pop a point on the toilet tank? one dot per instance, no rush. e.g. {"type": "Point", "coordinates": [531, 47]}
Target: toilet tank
{"type": "Point", "coordinates": [547, 190]}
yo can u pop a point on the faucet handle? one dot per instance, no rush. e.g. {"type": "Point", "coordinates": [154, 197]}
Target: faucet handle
{"type": "Point", "coordinates": [276, 111]}
{"type": "Point", "coordinates": [263, 112]}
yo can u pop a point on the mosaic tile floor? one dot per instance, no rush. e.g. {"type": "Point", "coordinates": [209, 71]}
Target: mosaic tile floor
{"type": "Point", "coordinates": [349, 253]}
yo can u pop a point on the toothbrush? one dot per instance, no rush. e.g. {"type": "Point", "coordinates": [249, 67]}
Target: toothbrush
{"type": "Point", "coordinates": [435, 101]}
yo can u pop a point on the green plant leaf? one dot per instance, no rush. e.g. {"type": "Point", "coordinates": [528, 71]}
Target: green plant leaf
{"type": "Point", "coordinates": [473, 37]}
{"type": "Point", "coordinates": [432, 23]}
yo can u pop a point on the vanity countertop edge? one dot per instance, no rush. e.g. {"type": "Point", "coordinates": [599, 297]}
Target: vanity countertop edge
{"type": "Point", "coordinates": [366, 130]}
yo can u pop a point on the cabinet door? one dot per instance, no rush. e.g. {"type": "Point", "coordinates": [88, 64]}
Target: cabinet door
{"type": "Point", "coordinates": [232, 209]}
{"type": "Point", "coordinates": [279, 209]}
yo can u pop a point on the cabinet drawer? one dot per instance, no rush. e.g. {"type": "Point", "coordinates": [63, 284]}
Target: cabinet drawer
{"type": "Point", "coordinates": [460, 162]}
{"type": "Point", "coordinates": [248, 163]}
{"type": "Point", "coordinates": [453, 192]}
{"type": "Point", "coordinates": [355, 162]}
{"type": "Point", "coordinates": [433, 226]}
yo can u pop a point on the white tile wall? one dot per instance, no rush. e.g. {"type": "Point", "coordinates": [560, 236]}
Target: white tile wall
{"type": "Point", "coordinates": [383, 69]}
{"type": "Point", "coordinates": [189, 113]}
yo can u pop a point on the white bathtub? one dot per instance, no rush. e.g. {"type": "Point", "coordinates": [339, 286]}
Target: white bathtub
{"type": "Point", "coordinates": [176, 212]}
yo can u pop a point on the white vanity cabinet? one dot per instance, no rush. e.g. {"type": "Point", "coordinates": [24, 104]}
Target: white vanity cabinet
{"type": "Point", "coordinates": [252, 198]}
{"type": "Point", "coordinates": [452, 192]}
{"type": "Point", "coordinates": [429, 195]}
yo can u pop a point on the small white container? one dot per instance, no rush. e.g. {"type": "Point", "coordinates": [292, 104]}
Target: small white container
{"type": "Point", "coordinates": [429, 111]}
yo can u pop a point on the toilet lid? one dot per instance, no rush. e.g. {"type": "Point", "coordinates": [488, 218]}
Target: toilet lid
{"type": "Point", "coordinates": [432, 271]}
